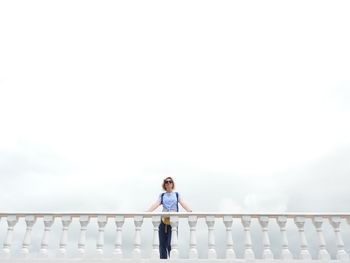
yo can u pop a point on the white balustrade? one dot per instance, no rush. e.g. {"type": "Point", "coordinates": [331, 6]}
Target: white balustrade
{"type": "Point", "coordinates": [286, 254]}
{"type": "Point", "coordinates": [26, 252]}
{"type": "Point", "coordinates": [155, 242]}
{"type": "Point", "coordinates": [248, 251]}
{"type": "Point", "coordinates": [30, 220]}
{"type": "Point", "coordinates": [230, 253]}
{"type": "Point", "coordinates": [304, 252]}
{"type": "Point", "coordinates": [11, 222]}
{"type": "Point", "coordinates": [267, 253]}
{"type": "Point", "coordinates": [48, 221]}
{"type": "Point", "coordinates": [138, 220]}
{"type": "Point", "coordinates": [341, 253]}
{"type": "Point", "coordinates": [192, 222]}
{"type": "Point", "coordinates": [210, 220]}
{"type": "Point", "coordinates": [66, 220]}
{"type": "Point", "coordinates": [322, 253]}
{"type": "Point", "coordinates": [84, 221]}
{"type": "Point", "coordinates": [118, 251]}
{"type": "Point", "coordinates": [101, 221]}
{"type": "Point", "coordinates": [174, 253]}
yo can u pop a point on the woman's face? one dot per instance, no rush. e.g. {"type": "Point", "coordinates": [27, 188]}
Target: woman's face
{"type": "Point", "coordinates": [168, 183]}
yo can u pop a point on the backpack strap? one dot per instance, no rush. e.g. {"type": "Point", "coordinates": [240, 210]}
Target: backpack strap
{"type": "Point", "coordinates": [161, 199]}
{"type": "Point", "coordinates": [177, 201]}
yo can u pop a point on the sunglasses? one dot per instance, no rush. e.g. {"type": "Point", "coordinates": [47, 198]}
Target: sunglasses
{"type": "Point", "coordinates": [168, 182]}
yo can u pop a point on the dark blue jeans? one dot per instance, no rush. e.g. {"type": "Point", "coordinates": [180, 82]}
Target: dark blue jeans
{"type": "Point", "coordinates": [164, 240]}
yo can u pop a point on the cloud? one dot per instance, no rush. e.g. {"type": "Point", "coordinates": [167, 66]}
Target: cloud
{"type": "Point", "coordinates": [321, 182]}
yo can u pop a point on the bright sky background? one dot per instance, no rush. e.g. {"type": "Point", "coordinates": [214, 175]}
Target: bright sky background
{"type": "Point", "coordinates": [245, 103]}
{"type": "Point", "coordinates": [108, 95]}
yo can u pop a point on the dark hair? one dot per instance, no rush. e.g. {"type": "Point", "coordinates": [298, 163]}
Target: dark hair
{"type": "Point", "coordinates": [163, 184]}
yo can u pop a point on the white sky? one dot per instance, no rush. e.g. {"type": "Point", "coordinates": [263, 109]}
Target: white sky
{"type": "Point", "coordinates": [245, 103]}
{"type": "Point", "coordinates": [100, 98]}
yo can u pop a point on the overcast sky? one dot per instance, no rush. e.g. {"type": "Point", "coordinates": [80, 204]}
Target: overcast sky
{"type": "Point", "coordinates": [246, 104]}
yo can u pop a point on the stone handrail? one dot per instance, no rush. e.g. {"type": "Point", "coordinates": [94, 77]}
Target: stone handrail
{"type": "Point", "coordinates": [299, 219]}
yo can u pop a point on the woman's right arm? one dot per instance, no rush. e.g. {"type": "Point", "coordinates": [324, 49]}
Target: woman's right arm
{"type": "Point", "coordinates": [154, 206]}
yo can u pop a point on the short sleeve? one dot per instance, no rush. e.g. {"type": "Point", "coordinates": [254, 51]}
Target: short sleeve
{"type": "Point", "coordinates": [160, 198]}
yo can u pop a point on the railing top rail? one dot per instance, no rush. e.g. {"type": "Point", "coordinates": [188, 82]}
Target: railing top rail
{"type": "Point", "coordinates": [179, 214]}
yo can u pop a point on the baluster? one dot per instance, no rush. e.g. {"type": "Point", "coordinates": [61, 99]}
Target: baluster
{"type": "Point", "coordinates": [174, 252]}
{"type": "Point", "coordinates": [264, 222]}
{"type": "Point", "coordinates": [66, 220]}
{"type": "Point", "coordinates": [230, 253]}
{"type": "Point", "coordinates": [11, 222]}
{"type": "Point", "coordinates": [30, 220]}
{"type": "Point", "coordinates": [155, 242]}
{"type": "Point", "coordinates": [48, 221]}
{"type": "Point", "coordinates": [286, 254]}
{"type": "Point", "coordinates": [210, 220]}
{"type": "Point", "coordinates": [192, 221]}
{"type": "Point", "coordinates": [341, 253]}
{"type": "Point", "coordinates": [304, 252]}
{"type": "Point", "coordinates": [137, 241]}
{"type": "Point", "coordinates": [84, 221]}
{"type": "Point", "coordinates": [101, 221]}
{"type": "Point", "coordinates": [248, 251]}
{"type": "Point", "coordinates": [322, 253]}
{"type": "Point", "coordinates": [118, 252]}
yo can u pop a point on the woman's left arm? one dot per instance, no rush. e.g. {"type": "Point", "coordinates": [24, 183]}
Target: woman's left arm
{"type": "Point", "coordinates": [184, 205]}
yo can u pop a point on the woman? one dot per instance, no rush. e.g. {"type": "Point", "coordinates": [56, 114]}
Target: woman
{"type": "Point", "coordinates": [169, 199]}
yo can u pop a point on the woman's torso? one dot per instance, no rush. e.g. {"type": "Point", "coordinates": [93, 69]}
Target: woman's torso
{"type": "Point", "coordinates": [169, 202]}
